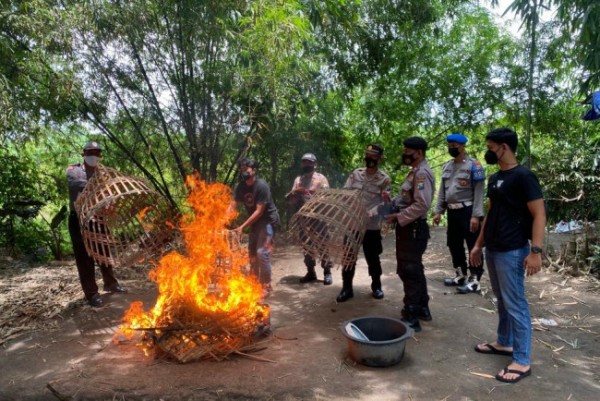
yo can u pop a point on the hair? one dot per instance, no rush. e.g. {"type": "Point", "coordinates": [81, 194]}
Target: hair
{"type": "Point", "coordinates": [249, 163]}
{"type": "Point", "coordinates": [504, 135]}
{"type": "Point", "coordinates": [416, 143]}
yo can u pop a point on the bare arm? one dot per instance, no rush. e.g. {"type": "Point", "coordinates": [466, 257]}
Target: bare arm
{"type": "Point", "coordinates": [258, 212]}
{"type": "Point", "coordinates": [533, 261]}
{"type": "Point", "coordinates": [475, 256]}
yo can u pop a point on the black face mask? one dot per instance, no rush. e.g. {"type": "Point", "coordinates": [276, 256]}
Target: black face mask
{"type": "Point", "coordinates": [370, 163]}
{"type": "Point", "coordinates": [491, 157]}
{"type": "Point", "coordinates": [308, 169]}
{"type": "Point", "coordinates": [454, 152]}
{"type": "Point", "coordinates": [245, 175]}
{"type": "Point", "coordinates": [408, 159]}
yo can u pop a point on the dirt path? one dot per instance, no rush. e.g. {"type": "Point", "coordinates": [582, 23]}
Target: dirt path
{"type": "Point", "coordinates": [75, 357]}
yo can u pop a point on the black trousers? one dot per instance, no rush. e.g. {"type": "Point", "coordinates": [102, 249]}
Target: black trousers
{"type": "Point", "coordinates": [411, 243]}
{"type": "Point", "coordinates": [458, 234]}
{"type": "Point", "coordinates": [85, 263]}
{"type": "Point", "coordinates": [321, 232]}
{"type": "Point", "coordinates": [372, 248]}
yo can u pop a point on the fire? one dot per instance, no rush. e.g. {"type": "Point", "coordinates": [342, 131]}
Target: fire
{"type": "Point", "coordinates": [204, 295]}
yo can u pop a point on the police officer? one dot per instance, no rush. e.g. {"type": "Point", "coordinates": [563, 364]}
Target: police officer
{"type": "Point", "coordinates": [373, 184]}
{"type": "Point", "coordinates": [303, 188]}
{"type": "Point", "coordinates": [77, 177]}
{"type": "Point", "coordinates": [412, 231]}
{"type": "Point", "coordinates": [461, 194]}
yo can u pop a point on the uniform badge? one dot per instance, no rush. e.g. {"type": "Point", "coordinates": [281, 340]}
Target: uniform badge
{"type": "Point", "coordinates": [420, 182]}
{"type": "Point", "coordinates": [477, 171]}
{"type": "Point", "coordinates": [463, 183]}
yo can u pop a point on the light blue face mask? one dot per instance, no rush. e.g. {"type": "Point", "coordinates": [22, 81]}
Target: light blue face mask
{"type": "Point", "coordinates": [91, 161]}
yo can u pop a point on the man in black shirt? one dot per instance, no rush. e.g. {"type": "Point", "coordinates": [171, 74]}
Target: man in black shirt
{"type": "Point", "coordinates": [262, 219]}
{"type": "Point", "coordinates": [516, 215]}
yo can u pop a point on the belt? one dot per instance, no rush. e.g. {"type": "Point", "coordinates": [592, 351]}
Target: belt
{"type": "Point", "coordinates": [459, 205]}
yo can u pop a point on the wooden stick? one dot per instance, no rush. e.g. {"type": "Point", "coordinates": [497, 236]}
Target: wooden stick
{"type": "Point", "coordinates": [253, 357]}
{"type": "Point", "coordinates": [57, 394]}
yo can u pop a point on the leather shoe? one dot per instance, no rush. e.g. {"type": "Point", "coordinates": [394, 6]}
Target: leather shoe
{"type": "Point", "coordinates": [345, 295]}
{"type": "Point", "coordinates": [377, 293]}
{"type": "Point", "coordinates": [328, 279]}
{"type": "Point", "coordinates": [95, 301]}
{"type": "Point", "coordinates": [115, 288]}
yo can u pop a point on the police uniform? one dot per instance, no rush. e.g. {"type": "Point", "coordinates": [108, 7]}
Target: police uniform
{"type": "Point", "coordinates": [412, 236]}
{"type": "Point", "coordinates": [77, 178]}
{"type": "Point", "coordinates": [371, 187]}
{"type": "Point", "coordinates": [311, 182]}
{"type": "Point", "coordinates": [461, 195]}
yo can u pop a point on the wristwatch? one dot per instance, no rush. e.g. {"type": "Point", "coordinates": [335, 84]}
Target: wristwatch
{"type": "Point", "coordinates": [536, 249]}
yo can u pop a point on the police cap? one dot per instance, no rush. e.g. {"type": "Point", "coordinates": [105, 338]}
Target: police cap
{"type": "Point", "coordinates": [374, 150]}
{"type": "Point", "coordinates": [92, 145]}
{"type": "Point", "coordinates": [310, 157]}
{"type": "Point", "coordinates": [457, 137]}
{"type": "Point", "coordinates": [416, 143]}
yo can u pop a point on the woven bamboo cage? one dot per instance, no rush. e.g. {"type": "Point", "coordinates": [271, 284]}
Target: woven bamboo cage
{"type": "Point", "coordinates": [122, 219]}
{"type": "Point", "coordinates": [331, 225]}
{"type": "Point", "coordinates": [216, 335]}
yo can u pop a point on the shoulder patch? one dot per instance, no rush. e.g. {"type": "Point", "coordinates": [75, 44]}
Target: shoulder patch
{"type": "Point", "coordinates": [477, 171]}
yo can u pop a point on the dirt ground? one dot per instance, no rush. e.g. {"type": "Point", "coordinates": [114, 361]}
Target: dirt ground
{"type": "Point", "coordinates": [68, 353]}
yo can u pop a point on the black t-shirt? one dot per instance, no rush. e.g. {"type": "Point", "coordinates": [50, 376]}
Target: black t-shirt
{"type": "Point", "coordinates": [509, 222]}
{"type": "Point", "coordinates": [257, 193]}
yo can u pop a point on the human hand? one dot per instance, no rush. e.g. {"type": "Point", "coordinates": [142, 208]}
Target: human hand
{"type": "Point", "coordinates": [391, 218]}
{"type": "Point", "coordinates": [533, 263]}
{"type": "Point", "coordinates": [385, 196]}
{"type": "Point", "coordinates": [436, 219]}
{"type": "Point", "coordinates": [475, 256]}
{"type": "Point", "coordinates": [474, 224]}
{"type": "Point", "coordinates": [302, 190]}
{"type": "Point", "coordinates": [238, 231]}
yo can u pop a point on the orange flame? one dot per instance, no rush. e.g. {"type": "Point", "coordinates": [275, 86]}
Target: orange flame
{"type": "Point", "coordinates": [207, 279]}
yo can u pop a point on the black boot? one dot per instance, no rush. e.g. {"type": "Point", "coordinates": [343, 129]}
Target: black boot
{"type": "Point", "coordinates": [309, 277]}
{"type": "Point", "coordinates": [327, 277]}
{"type": "Point", "coordinates": [424, 313]}
{"type": "Point", "coordinates": [458, 279]}
{"type": "Point", "coordinates": [347, 292]}
{"type": "Point", "coordinates": [376, 287]}
{"type": "Point", "coordinates": [410, 316]}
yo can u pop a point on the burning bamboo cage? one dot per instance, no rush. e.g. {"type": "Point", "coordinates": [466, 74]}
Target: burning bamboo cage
{"type": "Point", "coordinates": [208, 336]}
{"type": "Point", "coordinates": [331, 224]}
{"type": "Point", "coordinates": [122, 219]}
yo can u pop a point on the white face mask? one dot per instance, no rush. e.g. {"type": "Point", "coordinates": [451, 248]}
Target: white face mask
{"type": "Point", "coordinates": [91, 161]}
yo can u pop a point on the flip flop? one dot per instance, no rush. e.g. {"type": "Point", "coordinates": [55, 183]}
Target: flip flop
{"type": "Point", "coordinates": [506, 370]}
{"type": "Point", "coordinates": [492, 350]}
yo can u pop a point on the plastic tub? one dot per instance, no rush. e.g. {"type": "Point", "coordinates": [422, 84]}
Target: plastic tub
{"type": "Point", "coordinates": [376, 341]}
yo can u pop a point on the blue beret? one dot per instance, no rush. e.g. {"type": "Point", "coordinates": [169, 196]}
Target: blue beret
{"type": "Point", "coordinates": [457, 137]}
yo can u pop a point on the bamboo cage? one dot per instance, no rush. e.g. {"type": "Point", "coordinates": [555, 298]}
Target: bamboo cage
{"type": "Point", "coordinates": [207, 336]}
{"type": "Point", "coordinates": [123, 221]}
{"type": "Point", "coordinates": [331, 225]}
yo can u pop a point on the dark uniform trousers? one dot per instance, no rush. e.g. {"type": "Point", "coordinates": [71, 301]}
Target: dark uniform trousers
{"type": "Point", "coordinates": [85, 263]}
{"type": "Point", "coordinates": [458, 233]}
{"type": "Point", "coordinates": [321, 232]}
{"type": "Point", "coordinates": [372, 248]}
{"type": "Point", "coordinates": [411, 243]}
